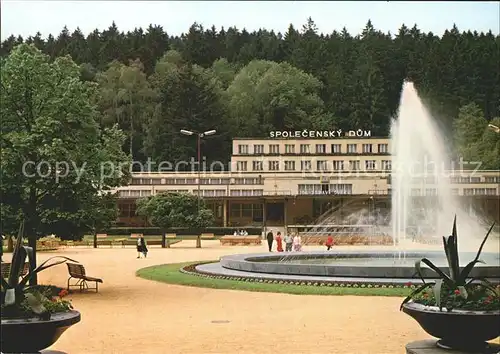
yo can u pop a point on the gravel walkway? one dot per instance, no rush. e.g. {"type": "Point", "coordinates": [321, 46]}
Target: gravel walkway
{"type": "Point", "coordinates": [133, 315]}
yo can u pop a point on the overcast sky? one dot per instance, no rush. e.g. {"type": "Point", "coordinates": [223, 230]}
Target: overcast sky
{"type": "Point", "coordinates": [27, 17]}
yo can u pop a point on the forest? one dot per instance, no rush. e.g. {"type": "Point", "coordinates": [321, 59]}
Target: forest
{"type": "Point", "coordinates": [246, 84]}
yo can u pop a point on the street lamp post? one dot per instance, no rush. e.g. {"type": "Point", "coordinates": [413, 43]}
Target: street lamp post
{"type": "Point", "coordinates": [199, 135]}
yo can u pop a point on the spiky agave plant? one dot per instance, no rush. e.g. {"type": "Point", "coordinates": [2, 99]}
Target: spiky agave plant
{"type": "Point", "coordinates": [16, 290]}
{"type": "Point", "coordinates": [457, 281]}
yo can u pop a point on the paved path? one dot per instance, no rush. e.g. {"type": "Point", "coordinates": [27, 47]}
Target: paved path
{"type": "Point", "coordinates": [133, 315]}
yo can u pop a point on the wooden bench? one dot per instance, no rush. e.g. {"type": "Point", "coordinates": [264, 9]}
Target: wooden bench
{"type": "Point", "coordinates": [207, 236]}
{"type": "Point", "coordinates": [6, 270]}
{"type": "Point", "coordinates": [230, 240]}
{"type": "Point", "coordinates": [77, 271]}
{"type": "Point", "coordinates": [170, 236]}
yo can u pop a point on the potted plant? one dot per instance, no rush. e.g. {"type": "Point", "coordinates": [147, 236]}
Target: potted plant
{"type": "Point", "coordinates": [33, 317]}
{"type": "Point", "coordinates": [472, 305]}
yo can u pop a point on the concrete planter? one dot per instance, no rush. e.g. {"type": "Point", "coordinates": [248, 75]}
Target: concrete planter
{"type": "Point", "coordinates": [31, 335]}
{"type": "Point", "coordinates": [457, 329]}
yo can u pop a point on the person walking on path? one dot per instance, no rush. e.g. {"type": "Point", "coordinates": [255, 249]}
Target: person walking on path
{"type": "Point", "coordinates": [329, 242]}
{"type": "Point", "coordinates": [279, 242]}
{"type": "Point", "coordinates": [142, 247]}
{"type": "Point", "coordinates": [288, 242]}
{"type": "Point", "coordinates": [297, 243]}
{"type": "Point", "coordinates": [270, 239]}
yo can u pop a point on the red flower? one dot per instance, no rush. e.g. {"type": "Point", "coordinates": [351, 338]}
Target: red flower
{"type": "Point", "coordinates": [63, 293]}
{"type": "Point", "coordinates": [409, 283]}
{"type": "Point", "coordinates": [457, 292]}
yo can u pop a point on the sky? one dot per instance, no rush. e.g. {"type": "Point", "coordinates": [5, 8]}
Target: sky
{"type": "Point", "coordinates": [27, 17]}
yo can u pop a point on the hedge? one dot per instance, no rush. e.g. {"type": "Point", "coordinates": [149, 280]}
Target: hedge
{"type": "Point", "coordinates": [218, 231]}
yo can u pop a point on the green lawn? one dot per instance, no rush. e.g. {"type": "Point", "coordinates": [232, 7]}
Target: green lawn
{"type": "Point", "coordinates": [169, 273]}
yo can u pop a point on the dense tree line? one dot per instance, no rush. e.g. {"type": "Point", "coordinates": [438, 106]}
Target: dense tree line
{"type": "Point", "coordinates": [244, 84]}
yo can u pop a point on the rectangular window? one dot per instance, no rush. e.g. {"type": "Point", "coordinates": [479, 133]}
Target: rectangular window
{"type": "Point", "coordinates": [246, 210]}
{"type": "Point", "coordinates": [386, 165]}
{"type": "Point", "coordinates": [367, 148]}
{"type": "Point", "coordinates": [241, 166]}
{"type": "Point", "coordinates": [258, 149]}
{"type": "Point", "coordinates": [305, 165]}
{"type": "Point", "coordinates": [257, 165]}
{"type": "Point", "coordinates": [274, 149]}
{"type": "Point", "coordinates": [235, 209]}
{"type": "Point", "coordinates": [354, 165]}
{"type": "Point", "coordinates": [289, 165]}
{"type": "Point", "coordinates": [274, 165]}
{"type": "Point", "coordinates": [321, 165]}
{"type": "Point", "coordinates": [305, 149]}
{"type": "Point", "coordinates": [383, 148]}
{"type": "Point", "coordinates": [341, 188]}
{"type": "Point", "coordinates": [352, 148]}
{"type": "Point", "coordinates": [320, 148]}
{"type": "Point", "coordinates": [370, 164]}
{"type": "Point", "coordinates": [336, 149]}
{"type": "Point", "coordinates": [338, 165]}
{"type": "Point", "coordinates": [243, 149]}
{"type": "Point", "coordinates": [289, 149]}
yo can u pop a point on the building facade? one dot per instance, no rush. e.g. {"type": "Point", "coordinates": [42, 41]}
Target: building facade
{"type": "Point", "coordinates": [286, 182]}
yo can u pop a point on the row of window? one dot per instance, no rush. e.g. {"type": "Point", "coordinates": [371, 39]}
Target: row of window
{"type": "Point", "coordinates": [314, 189]}
{"type": "Point", "coordinates": [480, 191]}
{"type": "Point", "coordinates": [304, 166]}
{"type": "Point", "coordinates": [259, 149]}
{"type": "Point", "coordinates": [322, 165]}
{"type": "Point", "coordinates": [204, 181]}
{"type": "Point", "coordinates": [454, 191]}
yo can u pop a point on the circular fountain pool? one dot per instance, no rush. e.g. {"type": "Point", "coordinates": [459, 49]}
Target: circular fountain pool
{"type": "Point", "coordinates": [343, 266]}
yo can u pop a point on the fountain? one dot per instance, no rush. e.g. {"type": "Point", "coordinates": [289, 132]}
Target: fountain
{"type": "Point", "coordinates": [423, 206]}
{"type": "Point", "coordinates": [422, 198]}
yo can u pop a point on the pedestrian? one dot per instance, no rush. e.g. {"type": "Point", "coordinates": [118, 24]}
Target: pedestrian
{"type": "Point", "coordinates": [329, 242]}
{"type": "Point", "coordinates": [288, 242]}
{"type": "Point", "coordinates": [279, 242]}
{"type": "Point", "coordinates": [141, 247]}
{"type": "Point", "coordinates": [144, 247]}
{"type": "Point", "coordinates": [270, 239]}
{"type": "Point", "coordinates": [297, 243]}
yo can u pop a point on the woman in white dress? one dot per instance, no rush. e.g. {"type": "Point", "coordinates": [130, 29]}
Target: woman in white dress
{"type": "Point", "coordinates": [297, 243]}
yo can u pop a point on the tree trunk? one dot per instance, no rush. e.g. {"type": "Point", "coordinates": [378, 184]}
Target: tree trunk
{"type": "Point", "coordinates": [30, 230]}
{"type": "Point", "coordinates": [10, 244]}
{"type": "Point", "coordinates": [163, 238]}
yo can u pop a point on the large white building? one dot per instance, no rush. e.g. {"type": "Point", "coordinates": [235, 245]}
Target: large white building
{"type": "Point", "coordinates": [282, 182]}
